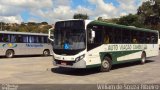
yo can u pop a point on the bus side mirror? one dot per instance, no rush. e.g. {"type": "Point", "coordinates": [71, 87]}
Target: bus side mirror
{"type": "Point", "coordinates": [49, 35]}
{"type": "Point", "coordinates": [92, 36]}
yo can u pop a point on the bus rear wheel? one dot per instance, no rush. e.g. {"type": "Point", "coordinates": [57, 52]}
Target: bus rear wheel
{"type": "Point", "coordinates": [46, 53]}
{"type": "Point", "coordinates": [143, 58]}
{"type": "Point", "coordinates": [9, 53]}
{"type": "Point", "coordinates": [106, 65]}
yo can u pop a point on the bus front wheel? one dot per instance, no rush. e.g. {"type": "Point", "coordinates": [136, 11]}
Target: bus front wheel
{"type": "Point", "coordinates": [9, 53]}
{"type": "Point", "coordinates": [46, 53]}
{"type": "Point", "coordinates": [143, 58]}
{"type": "Point", "coordinates": [106, 65]}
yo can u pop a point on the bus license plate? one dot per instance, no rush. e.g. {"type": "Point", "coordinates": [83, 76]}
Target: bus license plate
{"type": "Point", "coordinates": [63, 63]}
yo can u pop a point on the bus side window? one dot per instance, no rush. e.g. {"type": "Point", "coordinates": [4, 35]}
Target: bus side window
{"type": "Point", "coordinates": [31, 39]}
{"type": "Point", "coordinates": [141, 37]}
{"type": "Point", "coordinates": [6, 38]}
{"type": "Point", "coordinates": [25, 38]}
{"type": "Point", "coordinates": [36, 40]}
{"type": "Point", "coordinates": [98, 36]}
{"type": "Point", "coordinates": [42, 39]}
{"type": "Point", "coordinates": [39, 39]}
{"type": "Point", "coordinates": [19, 39]}
{"type": "Point", "coordinates": [126, 36]}
{"type": "Point", "coordinates": [135, 35]}
{"type": "Point", "coordinates": [13, 38]}
{"type": "Point", "coordinates": [118, 35]}
{"type": "Point", "coordinates": [45, 39]}
{"type": "Point", "coordinates": [154, 39]}
{"type": "Point", "coordinates": [111, 36]}
{"type": "Point", "coordinates": [134, 40]}
{"type": "Point", "coordinates": [1, 37]}
{"type": "Point", "coordinates": [106, 38]}
{"type": "Point", "coordinates": [148, 38]}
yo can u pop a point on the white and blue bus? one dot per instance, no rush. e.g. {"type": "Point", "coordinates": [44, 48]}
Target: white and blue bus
{"type": "Point", "coordinates": [21, 43]}
{"type": "Point", "coordinates": [85, 44]}
{"type": "Point", "coordinates": [159, 43]}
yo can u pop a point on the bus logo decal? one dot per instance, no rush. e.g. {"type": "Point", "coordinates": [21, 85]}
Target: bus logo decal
{"type": "Point", "coordinates": [10, 45]}
{"type": "Point", "coordinates": [34, 45]}
{"type": "Point", "coordinates": [66, 46]}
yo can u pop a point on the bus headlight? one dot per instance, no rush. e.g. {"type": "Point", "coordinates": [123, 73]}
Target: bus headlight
{"type": "Point", "coordinates": [80, 58]}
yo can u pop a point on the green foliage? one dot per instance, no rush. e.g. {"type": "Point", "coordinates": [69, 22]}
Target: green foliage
{"type": "Point", "coordinates": [28, 27]}
{"type": "Point", "coordinates": [150, 12]}
{"type": "Point", "coordinates": [148, 16]}
{"type": "Point", "coordinates": [128, 20]}
{"type": "Point", "coordinates": [80, 16]}
{"type": "Point", "coordinates": [100, 19]}
{"type": "Point", "coordinates": [44, 23]}
{"type": "Point", "coordinates": [113, 20]}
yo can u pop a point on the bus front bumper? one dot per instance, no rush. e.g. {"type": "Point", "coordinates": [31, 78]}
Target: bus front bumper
{"type": "Point", "coordinates": [70, 64]}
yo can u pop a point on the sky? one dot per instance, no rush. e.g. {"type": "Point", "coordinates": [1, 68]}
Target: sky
{"type": "Point", "coordinates": [17, 11]}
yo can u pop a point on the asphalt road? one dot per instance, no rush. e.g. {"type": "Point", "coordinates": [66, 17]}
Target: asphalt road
{"type": "Point", "coordinates": [39, 70]}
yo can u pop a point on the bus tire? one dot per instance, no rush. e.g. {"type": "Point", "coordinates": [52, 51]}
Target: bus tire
{"type": "Point", "coordinates": [143, 58]}
{"type": "Point", "coordinates": [46, 52]}
{"type": "Point", "coordinates": [9, 53]}
{"type": "Point", "coordinates": [106, 64]}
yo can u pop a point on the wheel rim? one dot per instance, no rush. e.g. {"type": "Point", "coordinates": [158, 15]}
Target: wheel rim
{"type": "Point", "coordinates": [45, 52]}
{"type": "Point", "coordinates": [143, 59]}
{"type": "Point", "coordinates": [9, 54]}
{"type": "Point", "coordinates": [105, 64]}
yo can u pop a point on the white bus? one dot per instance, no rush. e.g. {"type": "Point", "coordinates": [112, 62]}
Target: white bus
{"type": "Point", "coordinates": [20, 43]}
{"type": "Point", "coordinates": [159, 43]}
{"type": "Point", "coordinates": [85, 44]}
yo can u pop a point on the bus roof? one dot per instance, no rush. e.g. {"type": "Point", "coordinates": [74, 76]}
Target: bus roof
{"type": "Point", "coordinates": [74, 20]}
{"type": "Point", "coordinates": [23, 33]}
{"type": "Point", "coordinates": [122, 26]}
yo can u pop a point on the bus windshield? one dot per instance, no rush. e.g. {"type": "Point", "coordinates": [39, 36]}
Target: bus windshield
{"type": "Point", "coordinates": [69, 36]}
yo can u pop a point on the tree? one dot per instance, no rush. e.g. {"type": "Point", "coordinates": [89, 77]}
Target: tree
{"type": "Point", "coordinates": [80, 16]}
{"type": "Point", "coordinates": [44, 23]}
{"type": "Point", "coordinates": [31, 23]}
{"type": "Point", "coordinates": [148, 16]}
{"type": "Point", "coordinates": [130, 20]}
{"type": "Point", "coordinates": [100, 19]}
{"type": "Point", "coordinates": [149, 12]}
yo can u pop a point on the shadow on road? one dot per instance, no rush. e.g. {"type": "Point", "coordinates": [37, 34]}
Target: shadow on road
{"type": "Point", "coordinates": [130, 64]}
{"type": "Point", "coordinates": [89, 71]}
{"type": "Point", "coordinates": [75, 72]}
{"type": "Point", "coordinates": [22, 56]}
